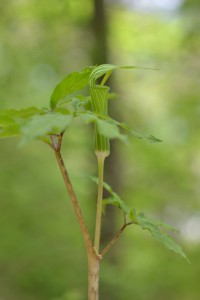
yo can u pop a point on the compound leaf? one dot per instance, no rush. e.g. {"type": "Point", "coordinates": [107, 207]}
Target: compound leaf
{"type": "Point", "coordinates": [159, 231]}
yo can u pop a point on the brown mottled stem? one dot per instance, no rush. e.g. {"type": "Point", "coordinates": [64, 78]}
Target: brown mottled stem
{"type": "Point", "coordinates": [92, 255]}
{"type": "Point", "coordinates": [93, 275]}
{"type": "Point", "coordinates": [72, 195]}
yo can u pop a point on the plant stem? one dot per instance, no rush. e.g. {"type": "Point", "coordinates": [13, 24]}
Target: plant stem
{"type": "Point", "coordinates": [107, 75]}
{"type": "Point", "coordinates": [113, 241]}
{"type": "Point", "coordinates": [93, 276]}
{"type": "Point", "coordinates": [115, 238]}
{"type": "Point", "coordinates": [72, 195]}
{"type": "Point", "coordinates": [100, 159]}
{"type": "Point", "coordinates": [92, 255]}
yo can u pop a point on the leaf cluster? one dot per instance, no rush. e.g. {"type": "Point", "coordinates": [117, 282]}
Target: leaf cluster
{"type": "Point", "coordinates": [68, 100]}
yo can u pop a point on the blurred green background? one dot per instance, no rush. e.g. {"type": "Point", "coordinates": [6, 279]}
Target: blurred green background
{"type": "Point", "coordinates": [42, 254]}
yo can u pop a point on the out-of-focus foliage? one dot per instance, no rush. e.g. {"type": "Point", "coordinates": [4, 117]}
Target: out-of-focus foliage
{"type": "Point", "coordinates": [41, 250]}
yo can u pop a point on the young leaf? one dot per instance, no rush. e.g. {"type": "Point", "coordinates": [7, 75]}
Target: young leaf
{"type": "Point", "coordinates": [40, 125]}
{"type": "Point", "coordinates": [158, 231]}
{"type": "Point", "coordinates": [72, 83]}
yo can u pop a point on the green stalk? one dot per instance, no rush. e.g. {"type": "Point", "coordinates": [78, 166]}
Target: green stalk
{"type": "Point", "coordinates": [99, 99]}
{"type": "Point", "coordinates": [100, 159]}
{"type": "Point", "coordinates": [107, 75]}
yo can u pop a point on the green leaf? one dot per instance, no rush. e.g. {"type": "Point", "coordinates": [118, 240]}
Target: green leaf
{"type": "Point", "coordinates": [21, 114]}
{"type": "Point", "coordinates": [159, 231]}
{"type": "Point", "coordinates": [72, 83]}
{"type": "Point", "coordinates": [40, 125]}
{"type": "Point", "coordinates": [80, 103]}
{"type": "Point", "coordinates": [150, 139]}
{"type": "Point", "coordinates": [9, 131]}
{"type": "Point", "coordinates": [106, 126]}
{"type": "Point", "coordinates": [90, 116]}
{"type": "Point", "coordinates": [110, 130]}
{"type": "Point", "coordinates": [11, 120]}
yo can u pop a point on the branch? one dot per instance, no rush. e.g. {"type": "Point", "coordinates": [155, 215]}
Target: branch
{"type": "Point", "coordinates": [72, 195]}
{"type": "Point", "coordinates": [115, 238]}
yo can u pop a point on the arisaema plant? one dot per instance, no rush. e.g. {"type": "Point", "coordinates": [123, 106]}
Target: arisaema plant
{"type": "Point", "coordinates": [49, 126]}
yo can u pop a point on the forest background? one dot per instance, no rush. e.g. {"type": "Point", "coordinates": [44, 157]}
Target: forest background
{"type": "Point", "coordinates": [41, 250]}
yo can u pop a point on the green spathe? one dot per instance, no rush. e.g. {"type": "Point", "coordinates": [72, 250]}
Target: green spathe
{"type": "Point", "coordinates": [99, 104]}
{"type": "Point", "coordinates": [106, 69]}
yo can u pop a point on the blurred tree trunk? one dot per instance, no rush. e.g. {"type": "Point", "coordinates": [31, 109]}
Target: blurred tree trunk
{"type": "Point", "coordinates": [99, 27]}
{"type": "Point", "coordinates": [112, 174]}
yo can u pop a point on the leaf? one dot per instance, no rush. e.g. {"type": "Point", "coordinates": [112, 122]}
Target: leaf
{"type": "Point", "coordinates": [11, 120]}
{"type": "Point", "coordinates": [9, 131]}
{"type": "Point", "coordinates": [91, 116]}
{"type": "Point", "coordinates": [151, 139]}
{"type": "Point", "coordinates": [106, 126]}
{"type": "Point", "coordinates": [21, 114]}
{"type": "Point", "coordinates": [159, 231]}
{"type": "Point", "coordinates": [40, 125]}
{"type": "Point", "coordinates": [110, 130]}
{"type": "Point", "coordinates": [72, 83]}
{"type": "Point", "coordinates": [80, 103]}
{"type": "Point", "coordinates": [88, 117]}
